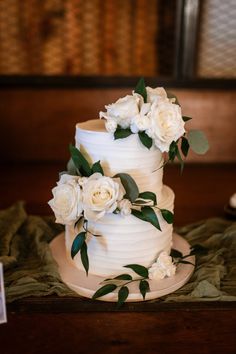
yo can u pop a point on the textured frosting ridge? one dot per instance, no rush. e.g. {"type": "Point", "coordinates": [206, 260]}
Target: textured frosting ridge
{"type": "Point", "coordinates": [122, 155]}
{"type": "Point", "coordinates": [124, 240]}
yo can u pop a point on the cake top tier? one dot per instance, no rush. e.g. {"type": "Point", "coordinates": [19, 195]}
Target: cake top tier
{"type": "Point", "coordinates": [121, 155]}
{"type": "Point", "coordinates": [93, 125]}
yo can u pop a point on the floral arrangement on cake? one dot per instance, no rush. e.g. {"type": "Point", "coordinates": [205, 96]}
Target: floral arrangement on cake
{"type": "Point", "coordinates": [155, 115]}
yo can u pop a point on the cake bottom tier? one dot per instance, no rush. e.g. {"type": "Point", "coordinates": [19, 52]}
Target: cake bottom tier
{"type": "Point", "coordinates": [123, 241]}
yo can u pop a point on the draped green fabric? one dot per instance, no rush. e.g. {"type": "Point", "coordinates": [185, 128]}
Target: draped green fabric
{"type": "Point", "coordinates": [30, 270]}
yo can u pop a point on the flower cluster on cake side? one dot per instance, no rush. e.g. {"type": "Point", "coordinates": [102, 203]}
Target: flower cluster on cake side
{"type": "Point", "coordinates": [84, 194]}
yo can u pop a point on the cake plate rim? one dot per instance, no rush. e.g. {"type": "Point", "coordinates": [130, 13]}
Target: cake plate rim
{"type": "Point", "coordinates": [86, 286]}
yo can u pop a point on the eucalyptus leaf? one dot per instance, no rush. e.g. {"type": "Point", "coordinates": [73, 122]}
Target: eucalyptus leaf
{"type": "Point", "coordinates": [151, 216]}
{"type": "Point", "coordinates": [80, 162]}
{"type": "Point", "coordinates": [121, 133]}
{"type": "Point", "coordinates": [129, 185]}
{"type": "Point", "coordinates": [138, 214]}
{"type": "Point", "coordinates": [71, 168]}
{"type": "Point", "coordinates": [141, 89]}
{"type": "Point", "coordinates": [139, 269]}
{"type": "Point", "coordinates": [78, 222]}
{"type": "Point", "coordinates": [186, 119]}
{"type": "Point", "coordinates": [167, 215]}
{"type": "Point", "coordinates": [97, 168]}
{"type": "Point", "coordinates": [141, 202]}
{"type": "Point", "coordinates": [77, 243]}
{"type": "Point", "coordinates": [198, 142]}
{"type": "Point", "coordinates": [124, 277]}
{"type": "Point", "coordinates": [171, 95]}
{"type": "Point", "coordinates": [104, 290]}
{"type": "Point", "coordinates": [148, 196]}
{"type": "Point", "coordinates": [180, 160]}
{"type": "Point", "coordinates": [145, 139]}
{"type": "Point", "coordinates": [175, 253]}
{"type": "Point", "coordinates": [122, 295]}
{"type": "Point", "coordinates": [184, 146]}
{"type": "Point", "coordinates": [198, 249]}
{"type": "Point", "coordinates": [144, 287]}
{"type": "Point", "coordinates": [173, 150]}
{"type": "Point", "coordinates": [84, 257]}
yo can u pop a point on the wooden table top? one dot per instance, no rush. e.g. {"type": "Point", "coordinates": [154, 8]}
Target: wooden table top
{"type": "Point", "coordinates": [57, 325]}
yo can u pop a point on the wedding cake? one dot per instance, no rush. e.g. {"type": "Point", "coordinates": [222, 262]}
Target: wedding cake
{"type": "Point", "coordinates": [117, 212]}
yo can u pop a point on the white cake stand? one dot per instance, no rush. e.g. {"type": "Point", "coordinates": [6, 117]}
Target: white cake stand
{"type": "Point", "coordinates": [87, 285]}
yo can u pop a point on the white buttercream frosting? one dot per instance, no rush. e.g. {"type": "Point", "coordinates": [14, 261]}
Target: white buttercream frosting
{"type": "Point", "coordinates": [122, 155]}
{"type": "Point", "coordinates": [124, 240]}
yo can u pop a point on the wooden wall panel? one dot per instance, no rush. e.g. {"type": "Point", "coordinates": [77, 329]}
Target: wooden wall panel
{"type": "Point", "coordinates": [39, 124]}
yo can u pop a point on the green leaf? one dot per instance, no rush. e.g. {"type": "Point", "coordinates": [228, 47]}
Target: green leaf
{"type": "Point", "coordinates": [121, 133]}
{"type": "Point", "coordinates": [185, 118]}
{"type": "Point", "coordinates": [150, 216]}
{"type": "Point", "coordinates": [167, 215]}
{"type": "Point", "coordinates": [141, 89]}
{"type": "Point", "coordinates": [97, 168]}
{"type": "Point", "coordinates": [71, 169]}
{"type": "Point", "coordinates": [198, 142]}
{"type": "Point", "coordinates": [173, 150]}
{"type": "Point", "coordinates": [78, 222]}
{"type": "Point", "coordinates": [171, 95]}
{"type": "Point", "coordinates": [175, 253]}
{"type": "Point", "coordinates": [144, 287]}
{"type": "Point", "coordinates": [145, 139]}
{"type": "Point", "coordinates": [80, 162]}
{"type": "Point", "coordinates": [184, 146]}
{"type": "Point", "coordinates": [180, 160]}
{"type": "Point", "coordinates": [84, 257]}
{"type": "Point", "coordinates": [77, 243]}
{"type": "Point", "coordinates": [129, 185]}
{"type": "Point", "coordinates": [139, 269]}
{"type": "Point", "coordinates": [138, 214]}
{"type": "Point", "coordinates": [149, 196]}
{"type": "Point", "coordinates": [198, 249]}
{"type": "Point", "coordinates": [122, 295]}
{"type": "Point", "coordinates": [124, 277]}
{"type": "Point", "coordinates": [141, 201]}
{"type": "Point", "coordinates": [104, 290]}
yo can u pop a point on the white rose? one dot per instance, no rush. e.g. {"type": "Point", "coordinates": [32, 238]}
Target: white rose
{"type": "Point", "coordinates": [67, 200]}
{"type": "Point", "coordinates": [111, 125]}
{"type": "Point", "coordinates": [156, 273]}
{"type": "Point", "coordinates": [125, 207]}
{"type": "Point", "coordinates": [101, 195]}
{"type": "Point", "coordinates": [141, 121]}
{"type": "Point", "coordinates": [171, 270]}
{"type": "Point", "coordinates": [123, 110]}
{"type": "Point", "coordinates": [163, 267]}
{"type": "Point", "coordinates": [82, 181]}
{"type": "Point", "coordinates": [167, 124]}
{"type": "Point", "coordinates": [232, 201]}
{"type": "Point", "coordinates": [156, 94]}
{"type": "Point", "coordinates": [164, 260]}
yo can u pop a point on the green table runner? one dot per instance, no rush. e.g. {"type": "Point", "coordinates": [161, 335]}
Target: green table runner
{"type": "Point", "coordinates": [30, 270]}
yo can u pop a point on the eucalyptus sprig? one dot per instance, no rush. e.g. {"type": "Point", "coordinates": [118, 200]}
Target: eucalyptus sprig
{"type": "Point", "coordinates": [121, 281]}
{"type": "Point", "coordinates": [145, 212]}
{"type": "Point", "coordinates": [79, 244]}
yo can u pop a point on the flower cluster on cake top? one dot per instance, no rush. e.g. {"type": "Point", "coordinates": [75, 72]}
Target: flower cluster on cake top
{"type": "Point", "coordinates": [156, 116]}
